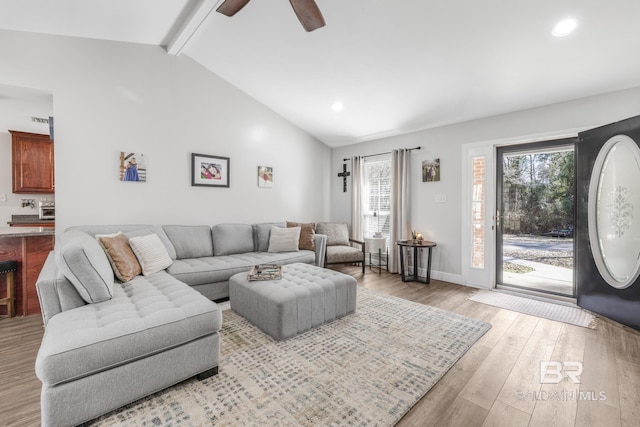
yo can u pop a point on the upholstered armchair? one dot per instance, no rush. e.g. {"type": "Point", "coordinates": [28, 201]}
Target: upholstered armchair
{"type": "Point", "coordinates": [340, 247]}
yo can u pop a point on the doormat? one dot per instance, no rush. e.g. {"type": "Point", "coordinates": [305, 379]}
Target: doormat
{"type": "Point", "coordinates": [561, 313]}
{"type": "Point", "coordinates": [367, 368]}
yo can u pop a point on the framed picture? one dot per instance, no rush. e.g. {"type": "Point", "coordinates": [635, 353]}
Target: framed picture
{"type": "Point", "coordinates": [265, 176]}
{"type": "Point", "coordinates": [209, 171]}
{"type": "Point", "coordinates": [431, 170]}
{"type": "Point", "coordinates": [133, 167]}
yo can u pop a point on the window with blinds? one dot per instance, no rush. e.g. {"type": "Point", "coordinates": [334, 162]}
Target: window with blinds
{"type": "Point", "coordinates": [376, 203]}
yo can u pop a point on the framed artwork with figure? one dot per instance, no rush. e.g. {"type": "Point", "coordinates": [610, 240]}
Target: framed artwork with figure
{"type": "Point", "coordinates": [209, 171]}
{"type": "Point", "coordinates": [133, 167]}
{"type": "Point", "coordinates": [431, 170]}
{"type": "Point", "coordinates": [265, 176]}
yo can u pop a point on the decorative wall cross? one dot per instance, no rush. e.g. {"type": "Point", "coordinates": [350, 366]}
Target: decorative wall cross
{"type": "Point", "coordinates": [344, 174]}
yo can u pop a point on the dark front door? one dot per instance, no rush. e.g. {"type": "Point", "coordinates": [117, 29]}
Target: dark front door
{"type": "Point", "coordinates": [608, 221]}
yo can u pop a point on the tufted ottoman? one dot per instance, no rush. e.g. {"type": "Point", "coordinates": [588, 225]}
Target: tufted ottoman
{"type": "Point", "coordinates": [307, 296]}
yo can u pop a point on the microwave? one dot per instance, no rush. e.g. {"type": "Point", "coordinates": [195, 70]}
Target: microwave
{"type": "Point", "coordinates": [47, 210]}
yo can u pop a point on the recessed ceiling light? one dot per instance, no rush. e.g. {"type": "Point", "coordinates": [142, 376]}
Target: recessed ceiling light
{"type": "Point", "coordinates": [337, 106]}
{"type": "Point", "coordinates": [565, 27]}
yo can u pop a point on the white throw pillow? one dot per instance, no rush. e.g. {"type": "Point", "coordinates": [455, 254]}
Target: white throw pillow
{"type": "Point", "coordinates": [284, 239]}
{"type": "Point", "coordinates": [151, 253]}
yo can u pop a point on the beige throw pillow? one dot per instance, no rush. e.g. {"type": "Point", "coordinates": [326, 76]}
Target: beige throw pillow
{"type": "Point", "coordinates": [123, 261]}
{"type": "Point", "coordinates": [307, 234]}
{"type": "Point", "coordinates": [151, 253]}
{"type": "Point", "coordinates": [284, 239]}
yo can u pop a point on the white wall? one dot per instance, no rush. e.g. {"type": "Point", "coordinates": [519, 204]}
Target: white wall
{"type": "Point", "coordinates": [442, 222]}
{"type": "Point", "coordinates": [111, 97]}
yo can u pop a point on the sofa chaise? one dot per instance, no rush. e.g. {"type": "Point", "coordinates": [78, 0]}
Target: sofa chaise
{"type": "Point", "coordinates": [108, 342]}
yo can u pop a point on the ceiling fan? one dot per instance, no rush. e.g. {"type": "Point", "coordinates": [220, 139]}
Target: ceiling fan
{"type": "Point", "coordinates": [307, 11]}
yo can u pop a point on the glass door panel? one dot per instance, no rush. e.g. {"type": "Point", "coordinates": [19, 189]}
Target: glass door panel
{"type": "Point", "coordinates": [536, 217]}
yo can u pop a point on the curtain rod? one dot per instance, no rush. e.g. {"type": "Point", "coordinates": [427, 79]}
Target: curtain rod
{"type": "Point", "coordinates": [388, 152]}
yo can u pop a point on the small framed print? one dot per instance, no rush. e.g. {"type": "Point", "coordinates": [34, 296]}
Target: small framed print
{"type": "Point", "coordinates": [431, 170]}
{"type": "Point", "coordinates": [265, 176]}
{"type": "Point", "coordinates": [209, 171]}
{"type": "Point", "coordinates": [133, 167]}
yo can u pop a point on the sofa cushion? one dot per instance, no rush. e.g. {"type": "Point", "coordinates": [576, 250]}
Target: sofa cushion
{"type": "Point", "coordinates": [83, 262]}
{"type": "Point", "coordinates": [339, 254]}
{"type": "Point", "coordinates": [337, 232]}
{"type": "Point", "coordinates": [161, 235]}
{"type": "Point", "coordinates": [190, 241]}
{"type": "Point", "coordinates": [262, 232]}
{"type": "Point", "coordinates": [146, 316]}
{"type": "Point", "coordinates": [119, 253]}
{"type": "Point", "coordinates": [151, 253]}
{"type": "Point", "coordinates": [307, 233]}
{"type": "Point", "coordinates": [203, 271]}
{"type": "Point", "coordinates": [284, 239]}
{"type": "Point", "coordinates": [232, 239]}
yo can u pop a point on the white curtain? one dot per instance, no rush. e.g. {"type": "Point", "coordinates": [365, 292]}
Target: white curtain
{"type": "Point", "coordinates": [400, 209]}
{"type": "Point", "coordinates": [356, 197]}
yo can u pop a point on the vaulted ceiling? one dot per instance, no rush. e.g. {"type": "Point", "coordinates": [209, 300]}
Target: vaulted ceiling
{"type": "Point", "coordinates": [395, 66]}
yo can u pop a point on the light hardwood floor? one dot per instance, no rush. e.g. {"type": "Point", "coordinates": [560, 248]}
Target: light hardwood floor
{"type": "Point", "coordinates": [496, 383]}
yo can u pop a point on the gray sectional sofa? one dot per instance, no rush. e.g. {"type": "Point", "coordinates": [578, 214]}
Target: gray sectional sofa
{"type": "Point", "coordinates": [108, 343]}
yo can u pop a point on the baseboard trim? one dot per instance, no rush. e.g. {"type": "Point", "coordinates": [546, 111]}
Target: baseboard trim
{"type": "Point", "coordinates": [440, 275]}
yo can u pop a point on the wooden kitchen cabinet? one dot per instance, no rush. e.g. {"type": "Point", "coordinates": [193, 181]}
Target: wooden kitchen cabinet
{"type": "Point", "coordinates": [32, 160]}
{"type": "Point", "coordinates": [30, 251]}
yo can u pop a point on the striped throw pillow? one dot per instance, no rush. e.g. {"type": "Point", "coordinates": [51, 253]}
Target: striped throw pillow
{"type": "Point", "coordinates": [151, 253]}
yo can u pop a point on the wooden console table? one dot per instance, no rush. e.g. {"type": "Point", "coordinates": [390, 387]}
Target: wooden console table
{"type": "Point", "coordinates": [415, 244]}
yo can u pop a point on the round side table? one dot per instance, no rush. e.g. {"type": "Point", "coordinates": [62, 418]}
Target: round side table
{"type": "Point", "coordinates": [373, 245]}
{"type": "Point", "coordinates": [415, 244]}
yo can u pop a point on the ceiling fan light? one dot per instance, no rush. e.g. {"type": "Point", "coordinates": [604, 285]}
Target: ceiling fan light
{"type": "Point", "coordinates": [565, 27]}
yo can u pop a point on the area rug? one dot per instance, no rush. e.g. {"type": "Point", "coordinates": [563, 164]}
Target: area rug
{"type": "Point", "coordinates": [561, 313]}
{"type": "Point", "coordinates": [367, 368]}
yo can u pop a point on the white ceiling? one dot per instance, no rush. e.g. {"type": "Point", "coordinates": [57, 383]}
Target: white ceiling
{"type": "Point", "coordinates": [396, 66]}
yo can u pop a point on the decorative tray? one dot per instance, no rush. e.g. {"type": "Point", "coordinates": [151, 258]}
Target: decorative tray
{"type": "Point", "coordinates": [265, 272]}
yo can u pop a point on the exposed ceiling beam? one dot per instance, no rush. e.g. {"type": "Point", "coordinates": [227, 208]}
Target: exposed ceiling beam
{"type": "Point", "coordinates": [190, 25]}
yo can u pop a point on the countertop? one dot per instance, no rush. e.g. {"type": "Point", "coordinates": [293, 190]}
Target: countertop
{"type": "Point", "coordinates": [29, 219]}
{"type": "Point", "coordinates": [26, 231]}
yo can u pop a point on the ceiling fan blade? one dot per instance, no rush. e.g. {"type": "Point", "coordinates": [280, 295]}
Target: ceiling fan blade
{"type": "Point", "coordinates": [308, 13]}
{"type": "Point", "coordinates": [231, 7]}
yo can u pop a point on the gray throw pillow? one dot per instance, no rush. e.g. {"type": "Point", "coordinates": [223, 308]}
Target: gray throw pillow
{"type": "Point", "coordinates": [83, 262]}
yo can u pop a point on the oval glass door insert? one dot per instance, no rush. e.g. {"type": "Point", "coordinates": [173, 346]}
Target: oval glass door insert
{"type": "Point", "coordinates": [614, 211]}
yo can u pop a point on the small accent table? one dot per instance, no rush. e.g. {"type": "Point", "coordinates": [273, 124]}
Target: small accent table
{"type": "Point", "coordinates": [373, 244]}
{"type": "Point", "coordinates": [415, 244]}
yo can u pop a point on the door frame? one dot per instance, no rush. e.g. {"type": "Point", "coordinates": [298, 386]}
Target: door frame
{"type": "Point", "coordinates": [526, 148]}
{"type": "Point", "coordinates": [486, 278]}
